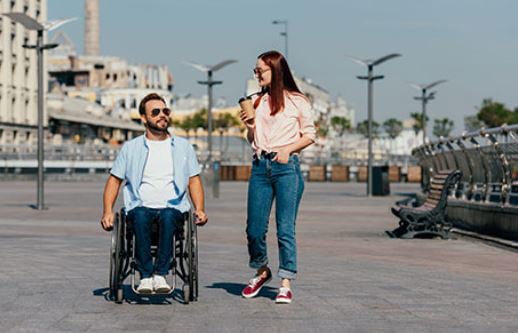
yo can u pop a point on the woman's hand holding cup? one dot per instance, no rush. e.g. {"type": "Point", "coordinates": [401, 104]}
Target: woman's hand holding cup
{"type": "Point", "coordinates": [247, 113]}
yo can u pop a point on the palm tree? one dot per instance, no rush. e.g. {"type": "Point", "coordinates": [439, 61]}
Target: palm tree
{"type": "Point", "coordinates": [393, 127]}
{"type": "Point", "coordinates": [363, 128]}
{"type": "Point", "coordinates": [340, 124]}
{"type": "Point", "coordinates": [442, 127]}
{"type": "Point", "coordinates": [418, 121]}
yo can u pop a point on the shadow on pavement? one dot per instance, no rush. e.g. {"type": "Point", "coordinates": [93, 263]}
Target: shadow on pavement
{"type": "Point", "coordinates": [236, 288]}
{"type": "Point", "coordinates": [132, 298]}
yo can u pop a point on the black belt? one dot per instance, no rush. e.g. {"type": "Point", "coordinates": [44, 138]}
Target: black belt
{"type": "Point", "coordinates": [265, 156]}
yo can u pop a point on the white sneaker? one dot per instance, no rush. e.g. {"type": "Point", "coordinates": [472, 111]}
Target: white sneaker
{"type": "Point", "coordinates": [145, 286]}
{"type": "Point", "coordinates": [160, 284]}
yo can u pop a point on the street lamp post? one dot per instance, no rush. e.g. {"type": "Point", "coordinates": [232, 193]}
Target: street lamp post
{"type": "Point", "coordinates": [209, 83]}
{"type": "Point", "coordinates": [424, 98]}
{"type": "Point", "coordinates": [370, 79]}
{"type": "Point", "coordinates": [284, 34]}
{"type": "Point", "coordinates": [31, 24]}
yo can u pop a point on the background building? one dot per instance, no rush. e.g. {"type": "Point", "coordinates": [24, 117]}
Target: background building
{"type": "Point", "coordinates": [94, 98]}
{"type": "Point", "coordinates": [18, 73]}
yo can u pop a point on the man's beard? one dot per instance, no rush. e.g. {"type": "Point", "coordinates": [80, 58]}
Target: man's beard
{"type": "Point", "coordinates": [155, 128]}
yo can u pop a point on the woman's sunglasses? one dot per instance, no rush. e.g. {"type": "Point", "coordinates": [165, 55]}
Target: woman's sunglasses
{"type": "Point", "coordinates": [260, 71]}
{"type": "Point", "coordinates": [156, 112]}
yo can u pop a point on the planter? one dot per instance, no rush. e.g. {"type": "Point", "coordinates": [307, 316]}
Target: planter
{"type": "Point", "coordinates": [394, 174]}
{"type": "Point", "coordinates": [340, 173]}
{"type": "Point", "coordinates": [242, 172]}
{"type": "Point", "coordinates": [414, 174]}
{"type": "Point", "coordinates": [317, 173]}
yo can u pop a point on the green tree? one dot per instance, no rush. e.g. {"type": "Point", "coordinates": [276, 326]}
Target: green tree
{"type": "Point", "coordinates": [418, 121]}
{"type": "Point", "coordinates": [199, 119]}
{"type": "Point", "coordinates": [340, 124]}
{"type": "Point", "coordinates": [186, 124]}
{"type": "Point", "coordinates": [321, 126]}
{"type": "Point", "coordinates": [442, 127]}
{"type": "Point", "coordinates": [363, 128]}
{"type": "Point", "coordinates": [515, 116]}
{"type": "Point", "coordinates": [393, 127]}
{"type": "Point", "coordinates": [495, 114]}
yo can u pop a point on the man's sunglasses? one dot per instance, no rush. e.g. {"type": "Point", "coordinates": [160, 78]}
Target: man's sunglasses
{"type": "Point", "coordinates": [156, 112]}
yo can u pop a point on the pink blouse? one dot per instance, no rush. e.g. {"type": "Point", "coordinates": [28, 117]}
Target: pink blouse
{"type": "Point", "coordinates": [284, 128]}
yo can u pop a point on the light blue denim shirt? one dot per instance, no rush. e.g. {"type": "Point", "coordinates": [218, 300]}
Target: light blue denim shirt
{"type": "Point", "coordinates": [130, 163]}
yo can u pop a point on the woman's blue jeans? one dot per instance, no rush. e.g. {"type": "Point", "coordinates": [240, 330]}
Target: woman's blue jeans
{"type": "Point", "coordinates": [168, 220]}
{"type": "Point", "coordinates": [283, 182]}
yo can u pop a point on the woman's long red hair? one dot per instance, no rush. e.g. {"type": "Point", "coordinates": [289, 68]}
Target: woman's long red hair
{"type": "Point", "coordinates": [282, 81]}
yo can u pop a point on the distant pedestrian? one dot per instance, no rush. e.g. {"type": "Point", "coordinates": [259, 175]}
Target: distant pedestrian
{"type": "Point", "coordinates": [281, 126]}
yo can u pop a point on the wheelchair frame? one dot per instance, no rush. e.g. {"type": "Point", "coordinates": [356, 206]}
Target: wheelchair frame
{"type": "Point", "coordinates": [184, 261]}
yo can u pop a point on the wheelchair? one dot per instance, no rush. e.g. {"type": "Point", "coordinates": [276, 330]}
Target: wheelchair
{"type": "Point", "coordinates": [184, 260]}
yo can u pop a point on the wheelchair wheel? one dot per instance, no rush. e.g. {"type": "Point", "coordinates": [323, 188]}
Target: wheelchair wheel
{"type": "Point", "coordinates": [192, 256]}
{"type": "Point", "coordinates": [117, 244]}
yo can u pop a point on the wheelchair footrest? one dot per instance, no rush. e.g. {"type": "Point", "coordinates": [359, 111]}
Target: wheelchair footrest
{"type": "Point", "coordinates": [154, 293]}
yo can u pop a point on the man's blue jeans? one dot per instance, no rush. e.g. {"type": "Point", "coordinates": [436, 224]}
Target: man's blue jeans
{"type": "Point", "coordinates": [168, 220]}
{"type": "Point", "coordinates": [284, 183]}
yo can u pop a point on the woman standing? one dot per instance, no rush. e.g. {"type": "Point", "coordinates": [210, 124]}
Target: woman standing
{"type": "Point", "coordinates": [283, 126]}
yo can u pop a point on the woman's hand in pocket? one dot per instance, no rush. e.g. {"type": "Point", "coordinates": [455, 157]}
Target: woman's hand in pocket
{"type": "Point", "coordinates": [282, 156]}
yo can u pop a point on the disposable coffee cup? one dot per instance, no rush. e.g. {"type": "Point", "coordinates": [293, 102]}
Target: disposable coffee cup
{"type": "Point", "coordinates": [247, 106]}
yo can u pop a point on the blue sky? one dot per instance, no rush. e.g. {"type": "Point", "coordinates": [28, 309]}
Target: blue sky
{"type": "Point", "coordinates": [472, 43]}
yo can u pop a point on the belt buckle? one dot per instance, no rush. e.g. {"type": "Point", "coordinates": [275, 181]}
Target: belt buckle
{"type": "Point", "coordinates": [268, 156]}
{"type": "Point", "coordinates": [264, 155]}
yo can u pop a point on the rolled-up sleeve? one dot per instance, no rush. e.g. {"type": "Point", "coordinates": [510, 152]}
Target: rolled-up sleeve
{"type": "Point", "coordinates": [119, 166]}
{"type": "Point", "coordinates": [193, 166]}
{"type": "Point", "coordinates": [306, 120]}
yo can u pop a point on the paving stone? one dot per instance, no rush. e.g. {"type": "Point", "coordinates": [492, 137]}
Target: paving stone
{"type": "Point", "coordinates": [352, 278]}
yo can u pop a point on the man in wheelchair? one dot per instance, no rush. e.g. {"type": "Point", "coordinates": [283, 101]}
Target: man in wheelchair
{"type": "Point", "coordinates": [159, 170]}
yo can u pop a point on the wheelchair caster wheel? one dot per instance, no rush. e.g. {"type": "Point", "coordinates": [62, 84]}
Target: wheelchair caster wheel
{"type": "Point", "coordinates": [119, 296]}
{"type": "Point", "coordinates": [186, 294]}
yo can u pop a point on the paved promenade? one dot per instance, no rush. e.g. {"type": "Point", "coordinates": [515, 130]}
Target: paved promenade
{"type": "Point", "coordinates": [352, 278]}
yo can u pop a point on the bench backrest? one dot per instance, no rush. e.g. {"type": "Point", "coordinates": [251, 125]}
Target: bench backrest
{"type": "Point", "coordinates": [441, 183]}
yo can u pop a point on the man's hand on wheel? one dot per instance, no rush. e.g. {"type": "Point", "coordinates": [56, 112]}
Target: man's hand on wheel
{"type": "Point", "coordinates": [200, 218]}
{"type": "Point", "coordinates": [107, 221]}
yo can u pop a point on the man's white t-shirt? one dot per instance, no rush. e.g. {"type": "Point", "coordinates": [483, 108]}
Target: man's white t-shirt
{"type": "Point", "coordinates": [157, 182]}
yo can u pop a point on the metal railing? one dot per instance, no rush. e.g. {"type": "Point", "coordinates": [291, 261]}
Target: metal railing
{"type": "Point", "coordinates": [98, 152]}
{"type": "Point", "coordinates": [236, 156]}
{"type": "Point", "coordinates": [70, 152]}
{"type": "Point", "coordinates": [487, 158]}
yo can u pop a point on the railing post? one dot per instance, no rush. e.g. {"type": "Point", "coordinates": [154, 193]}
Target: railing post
{"type": "Point", "coordinates": [486, 175]}
{"type": "Point", "coordinates": [456, 167]}
{"type": "Point", "coordinates": [507, 180]}
{"type": "Point", "coordinates": [442, 153]}
{"type": "Point", "coordinates": [469, 193]}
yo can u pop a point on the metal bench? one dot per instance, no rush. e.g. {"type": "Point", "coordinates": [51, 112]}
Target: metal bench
{"type": "Point", "coordinates": [429, 219]}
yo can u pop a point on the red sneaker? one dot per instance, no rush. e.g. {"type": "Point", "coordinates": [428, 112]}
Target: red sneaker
{"type": "Point", "coordinates": [285, 296]}
{"type": "Point", "coordinates": [254, 285]}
